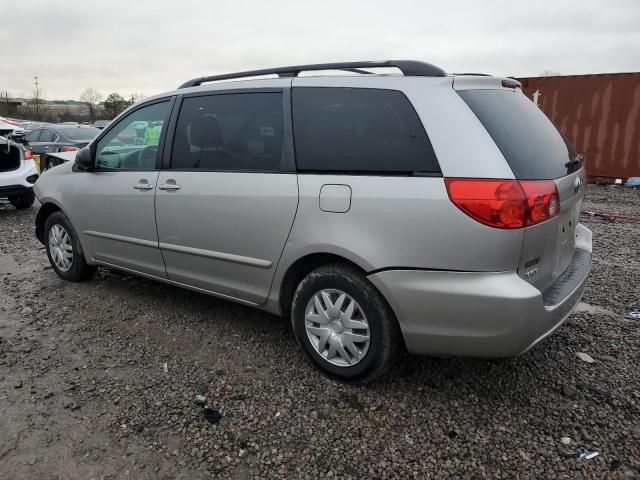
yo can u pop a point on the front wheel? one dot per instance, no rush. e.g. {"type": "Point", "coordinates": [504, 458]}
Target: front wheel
{"type": "Point", "coordinates": [344, 325]}
{"type": "Point", "coordinates": [64, 249]}
{"type": "Point", "coordinates": [23, 201]}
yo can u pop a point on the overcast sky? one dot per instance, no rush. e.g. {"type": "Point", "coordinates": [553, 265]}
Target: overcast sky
{"type": "Point", "coordinates": [143, 46]}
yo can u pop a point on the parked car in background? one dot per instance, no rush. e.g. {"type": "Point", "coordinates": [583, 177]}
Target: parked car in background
{"type": "Point", "coordinates": [437, 213]}
{"type": "Point", "coordinates": [30, 126]}
{"type": "Point", "coordinates": [57, 138]}
{"type": "Point", "coordinates": [101, 123]}
{"type": "Point", "coordinates": [18, 173]}
{"type": "Point", "coordinates": [10, 128]}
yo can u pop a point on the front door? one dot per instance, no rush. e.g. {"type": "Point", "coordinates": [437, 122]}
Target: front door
{"type": "Point", "coordinates": [225, 207]}
{"type": "Point", "coordinates": [114, 209]}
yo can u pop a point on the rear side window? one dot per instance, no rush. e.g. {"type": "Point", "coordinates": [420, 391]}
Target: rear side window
{"type": "Point", "coordinates": [229, 132]}
{"type": "Point", "coordinates": [359, 130]}
{"type": "Point", "coordinates": [531, 144]}
{"type": "Point", "coordinates": [47, 136]}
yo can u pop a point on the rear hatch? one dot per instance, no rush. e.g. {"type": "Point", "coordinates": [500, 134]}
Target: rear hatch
{"type": "Point", "coordinates": [10, 158]}
{"type": "Point", "coordinates": [534, 150]}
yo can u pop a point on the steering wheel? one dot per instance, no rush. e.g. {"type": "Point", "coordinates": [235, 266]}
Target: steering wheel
{"type": "Point", "coordinates": [147, 156]}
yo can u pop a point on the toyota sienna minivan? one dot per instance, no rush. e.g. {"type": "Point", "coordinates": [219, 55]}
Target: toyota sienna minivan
{"type": "Point", "coordinates": [412, 211]}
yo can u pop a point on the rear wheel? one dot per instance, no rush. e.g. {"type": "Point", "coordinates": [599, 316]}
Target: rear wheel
{"type": "Point", "coordinates": [344, 325]}
{"type": "Point", "coordinates": [23, 201]}
{"type": "Point", "coordinates": [64, 249]}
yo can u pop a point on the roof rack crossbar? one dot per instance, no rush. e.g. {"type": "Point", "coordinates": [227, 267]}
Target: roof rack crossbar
{"type": "Point", "coordinates": [411, 68]}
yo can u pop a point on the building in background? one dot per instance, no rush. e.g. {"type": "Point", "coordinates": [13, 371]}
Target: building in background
{"type": "Point", "coordinates": [599, 114]}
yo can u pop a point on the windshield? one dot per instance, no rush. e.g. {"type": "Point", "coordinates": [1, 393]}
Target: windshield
{"type": "Point", "coordinates": [80, 134]}
{"type": "Point", "coordinates": [531, 144]}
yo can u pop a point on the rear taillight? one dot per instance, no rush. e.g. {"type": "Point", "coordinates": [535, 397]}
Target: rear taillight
{"type": "Point", "coordinates": [505, 203]}
{"type": "Point", "coordinates": [27, 154]}
{"type": "Point", "coordinates": [68, 148]}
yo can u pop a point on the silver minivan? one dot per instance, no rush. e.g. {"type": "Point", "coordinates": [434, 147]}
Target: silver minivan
{"type": "Point", "coordinates": [411, 211]}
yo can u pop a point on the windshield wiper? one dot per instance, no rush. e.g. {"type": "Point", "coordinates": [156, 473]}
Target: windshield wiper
{"type": "Point", "coordinates": [574, 161]}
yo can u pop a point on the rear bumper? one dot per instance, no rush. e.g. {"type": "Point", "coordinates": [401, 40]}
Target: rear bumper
{"type": "Point", "coordinates": [11, 190]}
{"type": "Point", "coordinates": [480, 314]}
{"type": "Point", "coordinates": [14, 182]}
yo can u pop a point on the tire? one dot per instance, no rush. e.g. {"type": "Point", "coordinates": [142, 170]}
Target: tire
{"type": "Point", "coordinates": [59, 237]}
{"type": "Point", "coordinates": [23, 201]}
{"type": "Point", "coordinates": [375, 356]}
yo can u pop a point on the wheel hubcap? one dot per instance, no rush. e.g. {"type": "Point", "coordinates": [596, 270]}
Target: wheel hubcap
{"type": "Point", "coordinates": [337, 327]}
{"type": "Point", "coordinates": [60, 248]}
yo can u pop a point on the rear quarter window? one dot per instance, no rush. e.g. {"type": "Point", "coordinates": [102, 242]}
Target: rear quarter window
{"type": "Point", "coordinates": [360, 131]}
{"type": "Point", "coordinates": [532, 146]}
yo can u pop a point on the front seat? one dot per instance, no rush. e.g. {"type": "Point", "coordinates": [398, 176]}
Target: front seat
{"type": "Point", "coordinates": [206, 136]}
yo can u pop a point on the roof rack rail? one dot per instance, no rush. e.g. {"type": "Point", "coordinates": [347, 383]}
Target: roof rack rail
{"type": "Point", "coordinates": [472, 74]}
{"type": "Point", "coordinates": [409, 68]}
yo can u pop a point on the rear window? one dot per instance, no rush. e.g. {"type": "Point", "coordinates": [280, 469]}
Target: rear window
{"type": "Point", "coordinates": [81, 134]}
{"type": "Point", "coordinates": [531, 144]}
{"type": "Point", "coordinates": [359, 130]}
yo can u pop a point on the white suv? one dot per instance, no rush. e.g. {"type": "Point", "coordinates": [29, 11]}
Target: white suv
{"type": "Point", "coordinates": [18, 173]}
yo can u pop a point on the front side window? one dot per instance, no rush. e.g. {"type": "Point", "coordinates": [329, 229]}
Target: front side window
{"type": "Point", "coordinates": [34, 136]}
{"type": "Point", "coordinates": [132, 143]}
{"type": "Point", "coordinates": [359, 130]}
{"type": "Point", "coordinates": [237, 132]}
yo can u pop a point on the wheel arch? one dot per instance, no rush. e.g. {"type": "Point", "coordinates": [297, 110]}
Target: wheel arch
{"type": "Point", "coordinates": [301, 267]}
{"type": "Point", "coordinates": [45, 211]}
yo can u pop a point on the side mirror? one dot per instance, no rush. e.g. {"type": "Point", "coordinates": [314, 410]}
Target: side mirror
{"type": "Point", "coordinates": [84, 159]}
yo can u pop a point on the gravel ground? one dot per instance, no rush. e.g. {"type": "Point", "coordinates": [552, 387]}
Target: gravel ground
{"type": "Point", "coordinates": [98, 380]}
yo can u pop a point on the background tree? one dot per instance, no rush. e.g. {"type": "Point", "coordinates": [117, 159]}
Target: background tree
{"type": "Point", "coordinates": [4, 103]}
{"type": "Point", "coordinates": [114, 104]}
{"type": "Point", "coordinates": [136, 97]}
{"type": "Point", "coordinates": [91, 98]}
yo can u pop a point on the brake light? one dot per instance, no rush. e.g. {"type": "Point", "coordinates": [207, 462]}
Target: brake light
{"type": "Point", "coordinates": [27, 154]}
{"type": "Point", "coordinates": [505, 203]}
{"type": "Point", "coordinates": [68, 148]}
{"type": "Point", "coordinates": [511, 83]}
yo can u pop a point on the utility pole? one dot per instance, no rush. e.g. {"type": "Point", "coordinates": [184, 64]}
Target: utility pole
{"type": "Point", "coordinates": [37, 97]}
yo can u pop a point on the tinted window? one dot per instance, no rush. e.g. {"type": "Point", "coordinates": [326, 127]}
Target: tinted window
{"type": "Point", "coordinates": [132, 143]}
{"type": "Point", "coordinates": [47, 136]}
{"type": "Point", "coordinates": [359, 130]}
{"type": "Point", "coordinates": [530, 143]}
{"type": "Point", "coordinates": [81, 133]}
{"type": "Point", "coordinates": [230, 132]}
{"type": "Point", "coordinates": [34, 136]}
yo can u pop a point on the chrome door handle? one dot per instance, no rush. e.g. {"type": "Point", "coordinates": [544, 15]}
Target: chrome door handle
{"type": "Point", "coordinates": [143, 186]}
{"type": "Point", "coordinates": [169, 186]}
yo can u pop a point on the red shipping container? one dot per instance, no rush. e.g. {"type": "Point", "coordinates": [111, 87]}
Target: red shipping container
{"type": "Point", "coordinates": [599, 114]}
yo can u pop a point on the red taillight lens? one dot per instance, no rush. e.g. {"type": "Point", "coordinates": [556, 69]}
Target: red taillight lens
{"type": "Point", "coordinates": [27, 154]}
{"type": "Point", "coordinates": [68, 148]}
{"type": "Point", "coordinates": [543, 202]}
{"type": "Point", "coordinates": [505, 203]}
